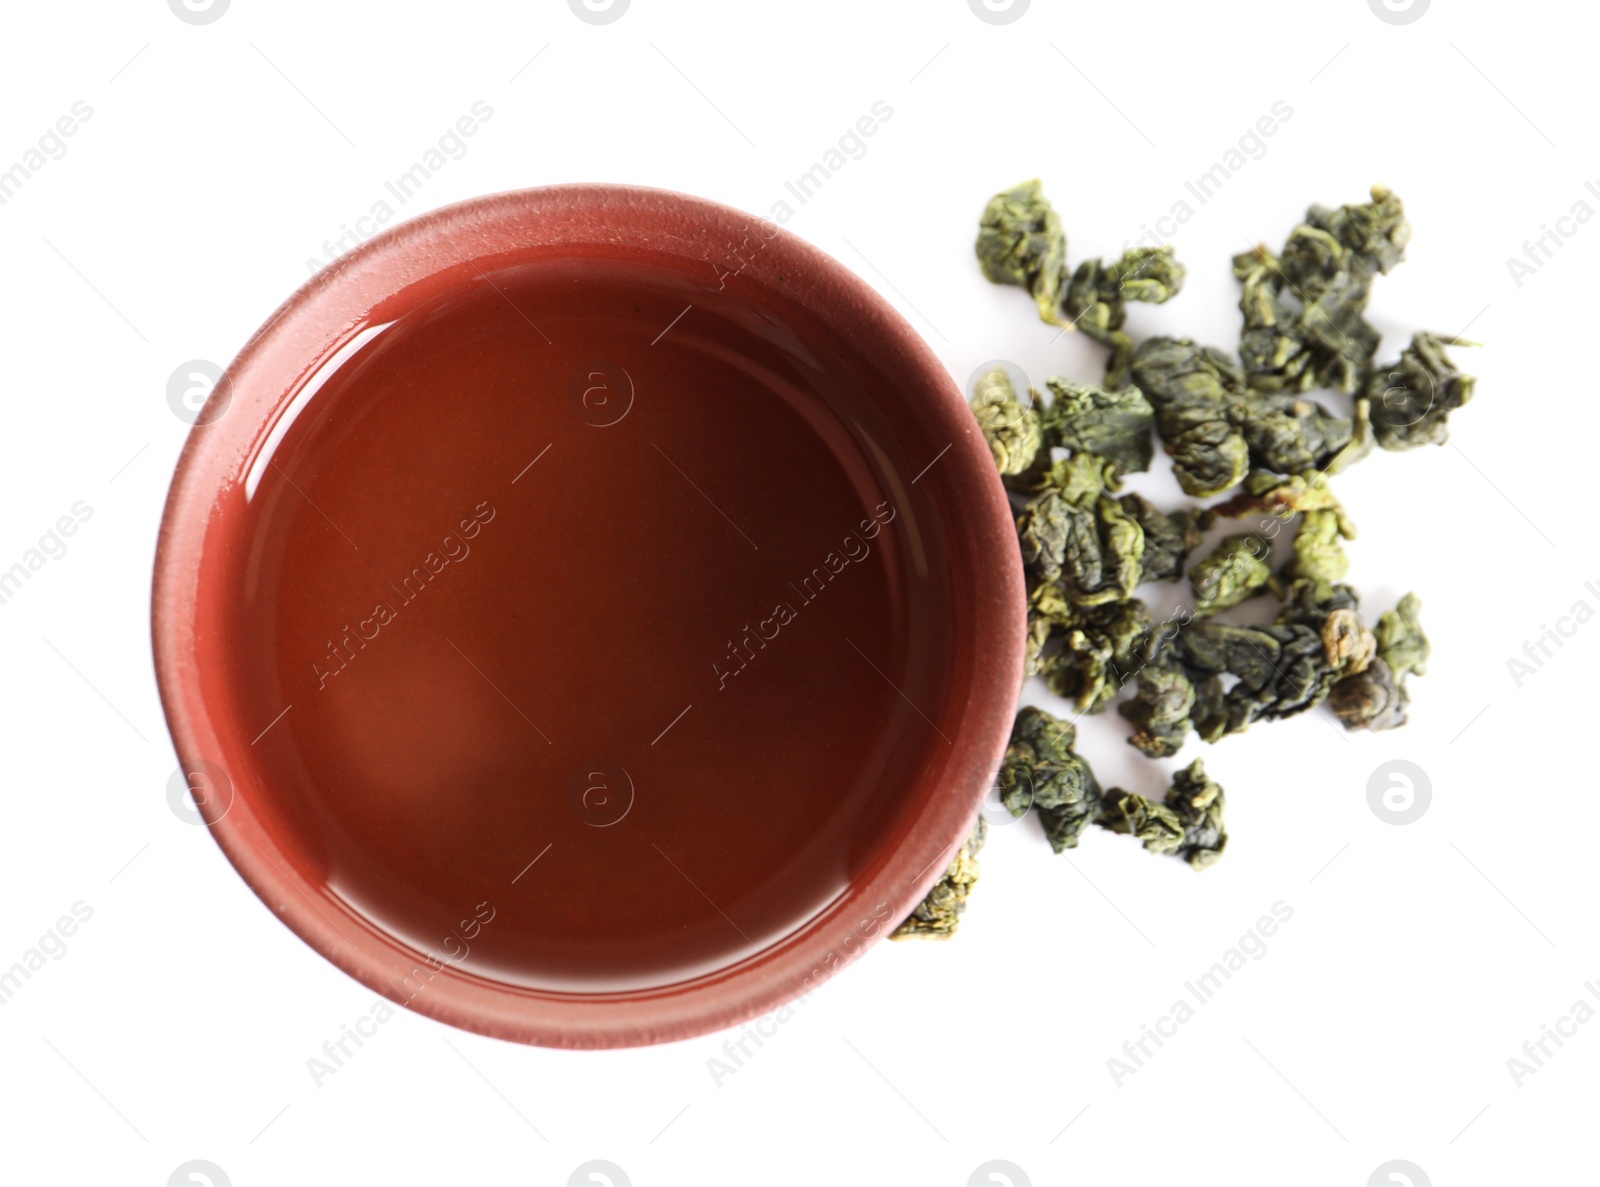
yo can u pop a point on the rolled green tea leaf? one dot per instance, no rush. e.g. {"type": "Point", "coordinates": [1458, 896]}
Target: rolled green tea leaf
{"type": "Point", "coordinates": [1231, 573]}
{"type": "Point", "coordinates": [1198, 802]}
{"type": "Point", "coordinates": [1155, 825]}
{"type": "Point", "coordinates": [1041, 771]}
{"type": "Point", "coordinates": [1097, 296]}
{"type": "Point", "coordinates": [1040, 629]}
{"type": "Point", "coordinates": [1010, 426]}
{"type": "Point", "coordinates": [1187, 824]}
{"type": "Point", "coordinates": [1190, 386]}
{"type": "Point", "coordinates": [1221, 678]}
{"type": "Point", "coordinates": [1412, 399]}
{"type": "Point", "coordinates": [1242, 425]}
{"type": "Point", "coordinates": [1369, 699]}
{"type": "Point", "coordinates": [939, 914]}
{"type": "Point", "coordinates": [1020, 241]}
{"type": "Point", "coordinates": [1303, 309]}
{"type": "Point", "coordinates": [1376, 696]}
{"type": "Point", "coordinates": [1401, 641]}
{"type": "Point", "coordinates": [1318, 559]}
{"type": "Point", "coordinates": [1375, 232]}
{"type": "Point", "coordinates": [1088, 419]}
{"type": "Point", "coordinates": [1077, 536]}
{"type": "Point", "coordinates": [1289, 434]}
{"type": "Point", "coordinates": [1168, 538]}
{"type": "Point", "coordinates": [1163, 699]}
{"type": "Point", "coordinates": [1100, 648]}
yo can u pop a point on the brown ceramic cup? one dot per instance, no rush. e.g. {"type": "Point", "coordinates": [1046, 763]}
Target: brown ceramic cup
{"type": "Point", "coordinates": [204, 541]}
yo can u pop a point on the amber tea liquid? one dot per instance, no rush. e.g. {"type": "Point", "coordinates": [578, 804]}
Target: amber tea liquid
{"type": "Point", "coordinates": [609, 648]}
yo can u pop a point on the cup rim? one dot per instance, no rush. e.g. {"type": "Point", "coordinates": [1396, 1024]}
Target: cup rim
{"type": "Point", "coordinates": [432, 250]}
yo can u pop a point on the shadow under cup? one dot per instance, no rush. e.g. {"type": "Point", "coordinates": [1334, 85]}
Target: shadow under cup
{"type": "Point", "coordinates": [602, 609]}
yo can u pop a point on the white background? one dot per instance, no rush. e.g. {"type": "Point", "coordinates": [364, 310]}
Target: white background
{"type": "Point", "coordinates": [219, 158]}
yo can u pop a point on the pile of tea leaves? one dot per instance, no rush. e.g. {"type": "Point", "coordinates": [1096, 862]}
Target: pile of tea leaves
{"type": "Point", "coordinates": [1234, 424]}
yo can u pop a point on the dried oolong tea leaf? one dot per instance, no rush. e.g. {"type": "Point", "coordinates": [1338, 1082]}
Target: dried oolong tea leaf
{"type": "Point", "coordinates": [1087, 419]}
{"type": "Point", "coordinates": [1376, 697]}
{"type": "Point", "coordinates": [1032, 479]}
{"type": "Point", "coordinates": [1369, 699]}
{"type": "Point", "coordinates": [1310, 608]}
{"type": "Point", "coordinates": [1233, 572]}
{"type": "Point", "coordinates": [1199, 802]}
{"type": "Point", "coordinates": [1412, 400]}
{"type": "Point", "coordinates": [1375, 232]}
{"type": "Point", "coordinates": [1077, 536]}
{"type": "Point", "coordinates": [1100, 648]}
{"type": "Point", "coordinates": [1156, 825]}
{"type": "Point", "coordinates": [1163, 699]}
{"type": "Point", "coordinates": [1040, 628]}
{"type": "Point", "coordinates": [1190, 386]}
{"type": "Point", "coordinates": [1083, 477]}
{"type": "Point", "coordinates": [1341, 341]}
{"type": "Point", "coordinates": [1096, 300]}
{"type": "Point", "coordinates": [1168, 539]}
{"type": "Point", "coordinates": [1318, 559]}
{"type": "Point", "coordinates": [1266, 493]}
{"type": "Point", "coordinates": [1361, 441]}
{"type": "Point", "coordinates": [1278, 671]}
{"type": "Point", "coordinates": [1042, 530]}
{"type": "Point", "coordinates": [1010, 427]}
{"type": "Point", "coordinates": [939, 914]}
{"type": "Point", "coordinates": [1188, 824]}
{"type": "Point", "coordinates": [1020, 241]}
{"type": "Point", "coordinates": [1334, 612]}
{"type": "Point", "coordinates": [1289, 434]}
{"type": "Point", "coordinates": [1348, 644]}
{"type": "Point", "coordinates": [1401, 642]}
{"type": "Point", "coordinates": [1104, 567]}
{"type": "Point", "coordinates": [1312, 262]}
{"type": "Point", "coordinates": [1226, 423]}
{"type": "Point", "coordinates": [1151, 275]}
{"type": "Point", "coordinates": [1271, 349]}
{"type": "Point", "coordinates": [1303, 309]}
{"type": "Point", "coordinates": [1220, 678]}
{"type": "Point", "coordinates": [1041, 771]}
{"type": "Point", "coordinates": [1244, 674]}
